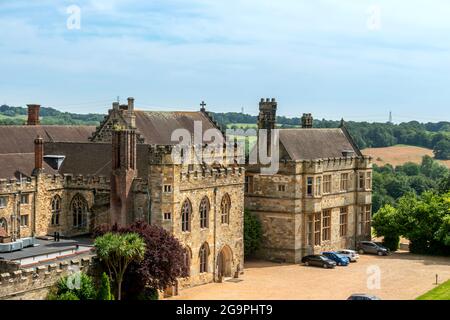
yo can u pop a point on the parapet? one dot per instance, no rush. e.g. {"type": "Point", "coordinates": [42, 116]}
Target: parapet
{"type": "Point", "coordinates": [14, 185]}
{"type": "Point", "coordinates": [21, 281]}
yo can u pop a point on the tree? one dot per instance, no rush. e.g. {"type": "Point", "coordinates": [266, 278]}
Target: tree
{"type": "Point", "coordinates": [442, 149]}
{"type": "Point", "coordinates": [117, 251]}
{"type": "Point", "coordinates": [385, 223]}
{"type": "Point", "coordinates": [252, 233]}
{"type": "Point", "coordinates": [163, 263]}
{"type": "Point", "coordinates": [104, 292]}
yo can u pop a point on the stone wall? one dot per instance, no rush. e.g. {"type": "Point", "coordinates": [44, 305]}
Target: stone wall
{"type": "Point", "coordinates": [283, 206]}
{"type": "Point", "coordinates": [194, 186]}
{"type": "Point", "coordinates": [35, 283]}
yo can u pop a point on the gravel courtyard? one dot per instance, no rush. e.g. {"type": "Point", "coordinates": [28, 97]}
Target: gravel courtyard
{"type": "Point", "coordinates": [403, 276]}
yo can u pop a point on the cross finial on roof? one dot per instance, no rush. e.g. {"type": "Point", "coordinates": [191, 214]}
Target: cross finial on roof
{"type": "Point", "coordinates": [203, 105]}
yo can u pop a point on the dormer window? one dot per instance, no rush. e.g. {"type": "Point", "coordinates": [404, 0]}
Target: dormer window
{"type": "Point", "coordinates": [54, 161]}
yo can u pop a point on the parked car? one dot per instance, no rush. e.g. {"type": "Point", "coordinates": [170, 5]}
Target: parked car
{"type": "Point", "coordinates": [372, 247]}
{"type": "Point", "coordinates": [339, 259]}
{"type": "Point", "coordinates": [352, 255]}
{"type": "Point", "coordinates": [318, 260]}
{"type": "Point", "coordinates": [362, 296]}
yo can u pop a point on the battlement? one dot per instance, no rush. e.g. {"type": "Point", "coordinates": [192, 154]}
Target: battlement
{"type": "Point", "coordinates": [89, 181]}
{"type": "Point", "coordinates": [222, 173]}
{"type": "Point", "coordinates": [14, 185]}
{"type": "Point", "coordinates": [37, 280]}
{"type": "Point", "coordinates": [337, 163]}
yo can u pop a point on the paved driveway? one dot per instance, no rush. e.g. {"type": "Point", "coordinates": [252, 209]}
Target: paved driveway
{"type": "Point", "coordinates": [403, 276]}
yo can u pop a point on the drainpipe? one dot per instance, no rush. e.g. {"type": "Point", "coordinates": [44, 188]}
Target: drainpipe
{"type": "Point", "coordinates": [149, 206]}
{"type": "Point", "coordinates": [33, 232]}
{"type": "Point", "coordinates": [215, 227]}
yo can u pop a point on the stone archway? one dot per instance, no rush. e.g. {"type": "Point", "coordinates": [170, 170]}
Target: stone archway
{"type": "Point", "coordinates": [225, 263]}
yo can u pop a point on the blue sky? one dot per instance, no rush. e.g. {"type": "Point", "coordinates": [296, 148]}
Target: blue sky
{"type": "Point", "coordinates": [313, 56]}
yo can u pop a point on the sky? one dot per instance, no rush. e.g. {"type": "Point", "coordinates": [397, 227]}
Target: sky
{"type": "Point", "coordinates": [351, 59]}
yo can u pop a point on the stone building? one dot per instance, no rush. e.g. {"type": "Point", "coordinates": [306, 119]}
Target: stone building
{"type": "Point", "coordinates": [70, 179]}
{"type": "Point", "coordinates": [319, 200]}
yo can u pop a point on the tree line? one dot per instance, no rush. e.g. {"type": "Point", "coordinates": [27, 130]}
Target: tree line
{"type": "Point", "coordinates": [434, 136]}
{"type": "Point", "coordinates": [430, 135]}
{"type": "Point", "coordinates": [413, 201]}
{"type": "Point", "coordinates": [50, 116]}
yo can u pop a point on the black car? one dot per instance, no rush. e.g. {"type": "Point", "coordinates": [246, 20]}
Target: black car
{"type": "Point", "coordinates": [318, 260]}
{"type": "Point", "coordinates": [362, 296]}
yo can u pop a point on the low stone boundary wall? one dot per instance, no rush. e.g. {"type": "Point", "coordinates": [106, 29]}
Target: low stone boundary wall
{"type": "Point", "coordinates": [35, 283]}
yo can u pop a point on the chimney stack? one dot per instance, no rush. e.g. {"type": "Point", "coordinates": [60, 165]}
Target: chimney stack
{"type": "Point", "coordinates": [33, 114]}
{"type": "Point", "coordinates": [130, 104]}
{"type": "Point", "coordinates": [307, 121]}
{"type": "Point", "coordinates": [38, 154]}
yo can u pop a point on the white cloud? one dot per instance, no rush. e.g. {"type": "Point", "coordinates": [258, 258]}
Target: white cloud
{"type": "Point", "coordinates": [178, 51]}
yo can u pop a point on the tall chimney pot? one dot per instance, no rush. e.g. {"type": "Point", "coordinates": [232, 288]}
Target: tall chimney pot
{"type": "Point", "coordinates": [38, 154]}
{"type": "Point", "coordinates": [33, 114]}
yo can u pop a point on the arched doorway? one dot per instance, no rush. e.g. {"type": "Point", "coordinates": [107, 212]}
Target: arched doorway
{"type": "Point", "coordinates": [225, 262]}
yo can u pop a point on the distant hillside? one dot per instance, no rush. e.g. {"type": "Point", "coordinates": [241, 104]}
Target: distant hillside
{"type": "Point", "coordinates": [18, 115]}
{"type": "Point", "coordinates": [435, 136]}
{"type": "Point", "coordinates": [399, 155]}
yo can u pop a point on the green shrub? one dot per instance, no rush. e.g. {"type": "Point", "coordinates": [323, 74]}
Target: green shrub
{"type": "Point", "coordinates": [68, 296]}
{"type": "Point", "coordinates": [86, 290]}
{"type": "Point", "coordinates": [104, 292]}
{"type": "Point", "coordinates": [391, 242]}
{"type": "Point", "coordinates": [252, 234]}
{"type": "Point", "coordinates": [148, 294]}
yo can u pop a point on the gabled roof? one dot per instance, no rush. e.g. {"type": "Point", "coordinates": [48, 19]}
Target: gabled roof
{"type": "Point", "coordinates": [311, 143]}
{"type": "Point", "coordinates": [157, 127]}
{"type": "Point", "coordinates": [90, 158]}
{"type": "Point", "coordinates": [20, 139]}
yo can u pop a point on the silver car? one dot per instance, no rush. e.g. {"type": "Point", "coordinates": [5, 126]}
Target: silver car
{"type": "Point", "coordinates": [372, 247]}
{"type": "Point", "coordinates": [352, 255]}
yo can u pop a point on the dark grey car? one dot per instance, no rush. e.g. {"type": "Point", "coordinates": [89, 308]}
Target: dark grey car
{"type": "Point", "coordinates": [372, 247]}
{"type": "Point", "coordinates": [362, 296]}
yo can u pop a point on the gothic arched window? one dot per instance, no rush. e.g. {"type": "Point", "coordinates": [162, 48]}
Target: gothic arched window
{"type": "Point", "coordinates": [187, 256]}
{"type": "Point", "coordinates": [203, 257]}
{"type": "Point", "coordinates": [204, 213]}
{"type": "Point", "coordinates": [225, 207]}
{"type": "Point", "coordinates": [186, 210]}
{"type": "Point", "coordinates": [56, 210]}
{"type": "Point", "coordinates": [3, 227]}
{"type": "Point", "coordinates": [79, 209]}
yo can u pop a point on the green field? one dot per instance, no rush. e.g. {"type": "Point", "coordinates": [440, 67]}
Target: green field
{"type": "Point", "coordinates": [441, 292]}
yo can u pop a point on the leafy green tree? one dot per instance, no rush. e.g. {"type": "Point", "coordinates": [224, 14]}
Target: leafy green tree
{"type": "Point", "coordinates": [252, 234]}
{"type": "Point", "coordinates": [117, 251]}
{"type": "Point", "coordinates": [104, 292]}
{"type": "Point", "coordinates": [385, 223]}
{"type": "Point", "coordinates": [442, 149]}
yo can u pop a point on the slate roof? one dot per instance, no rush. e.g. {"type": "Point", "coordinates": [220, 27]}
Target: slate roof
{"type": "Point", "coordinates": [90, 158]}
{"type": "Point", "coordinates": [315, 143]}
{"type": "Point", "coordinates": [20, 139]}
{"type": "Point", "coordinates": [157, 127]}
{"type": "Point", "coordinates": [13, 164]}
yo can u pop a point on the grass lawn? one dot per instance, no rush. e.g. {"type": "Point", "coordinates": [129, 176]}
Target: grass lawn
{"type": "Point", "coordinates": [441, 292]}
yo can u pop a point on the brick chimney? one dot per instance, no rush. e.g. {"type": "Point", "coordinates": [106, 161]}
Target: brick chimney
{"type": "Point", "coordinates": [123, 174]}
{"type": "Point", "coordinates": [33, 114]}
{"type": "Point", "coordinates": [307, 121]}
{"type": "Point", "coordinates": [38, 154]}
